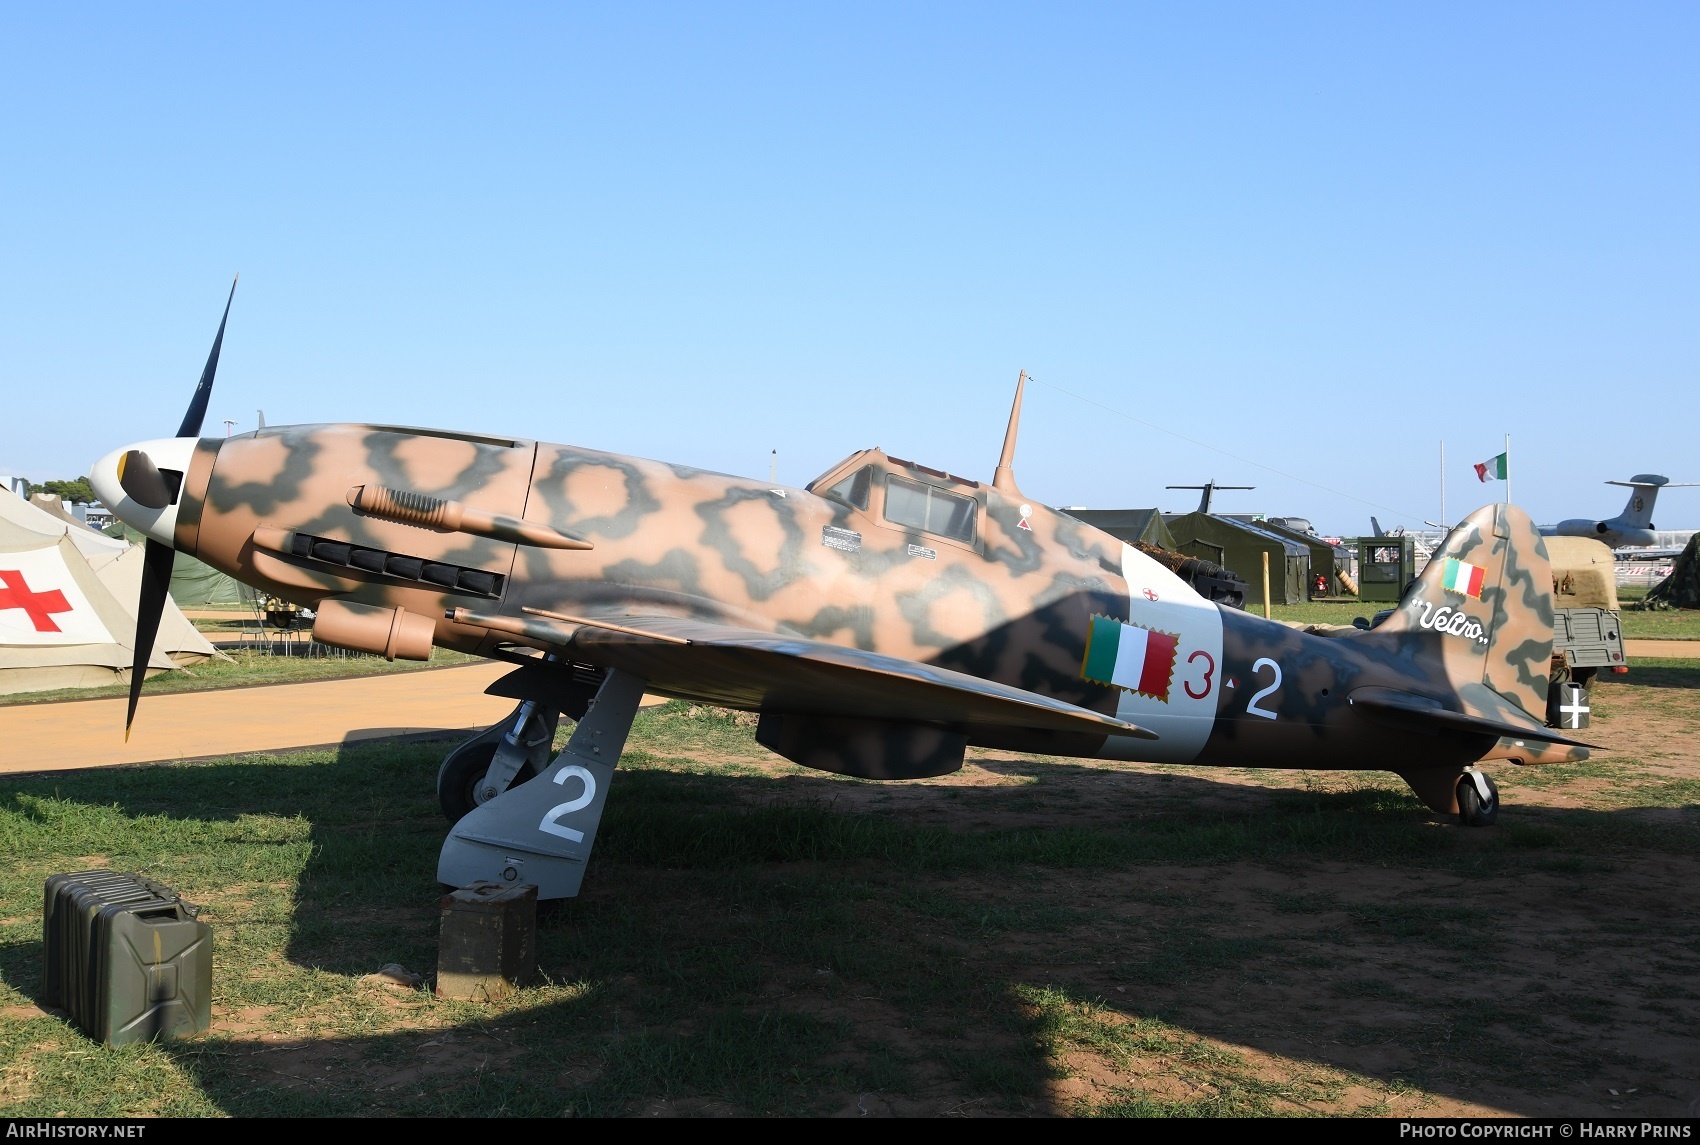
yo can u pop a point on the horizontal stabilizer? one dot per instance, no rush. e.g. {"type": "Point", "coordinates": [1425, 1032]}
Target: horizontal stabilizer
{"type": "Point", "coordinates": [1487, 714]}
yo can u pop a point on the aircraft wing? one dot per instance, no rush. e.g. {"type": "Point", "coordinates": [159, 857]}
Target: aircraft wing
{"type": "Point", "coordinates": [745, 668]}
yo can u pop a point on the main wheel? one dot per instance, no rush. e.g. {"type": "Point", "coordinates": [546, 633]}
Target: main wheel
{"type": "Point", "coordinates": [1475, 809]}
{"type": "Point", "coordinates": [460, 782]}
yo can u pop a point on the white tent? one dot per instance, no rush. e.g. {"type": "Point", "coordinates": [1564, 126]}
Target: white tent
{"type": "Point", "coordinates": [67, 606]}
{"type": "Point", "coordinates": [49, 519]}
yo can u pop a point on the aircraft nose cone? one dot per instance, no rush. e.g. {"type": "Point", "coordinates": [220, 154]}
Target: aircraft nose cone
{"type": "Point", "coordinates": [170, 457]}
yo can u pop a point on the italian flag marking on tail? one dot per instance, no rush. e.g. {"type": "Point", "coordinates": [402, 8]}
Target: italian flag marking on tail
{"type": "Point", "coordinates": [1464, 577]}
{"type": "Point", "coordinates": [1129, 656]}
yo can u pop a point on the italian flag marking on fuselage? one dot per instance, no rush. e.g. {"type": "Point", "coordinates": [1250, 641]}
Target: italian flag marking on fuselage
{"type": "Point", "coordinates": [1129, 656]}
{"type": "Point", "coordinates": [1464, 577]}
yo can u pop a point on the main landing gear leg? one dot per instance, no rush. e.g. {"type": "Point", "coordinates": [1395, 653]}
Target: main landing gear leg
{"type": "Point", "coordinates": [508, 752]}
{"type": "Point", "coordinates": [542, 830]}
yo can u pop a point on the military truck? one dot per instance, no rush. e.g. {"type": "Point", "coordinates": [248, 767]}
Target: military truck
{"type": "Point", "coordinates": [1586, 633]}
{"type": "Point", "coordinates": [1210, 580]}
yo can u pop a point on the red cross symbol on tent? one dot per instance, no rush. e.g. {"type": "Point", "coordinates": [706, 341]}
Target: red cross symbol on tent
{"type": "Point", "coordinates": [38, 606]}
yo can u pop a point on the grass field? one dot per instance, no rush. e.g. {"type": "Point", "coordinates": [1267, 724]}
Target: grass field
{"type": "Point", "coordinates": [1677, 625]}
{"type": "Point", "coordinates": [1024, 936]}
{"type": "Point", "coordinates": [246, 669]}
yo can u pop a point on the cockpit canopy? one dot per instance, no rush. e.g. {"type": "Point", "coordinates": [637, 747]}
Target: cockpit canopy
{"type": "Point", "coordinates": [901, 494]}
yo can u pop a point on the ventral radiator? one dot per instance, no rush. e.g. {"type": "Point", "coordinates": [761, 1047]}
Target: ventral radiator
{"type": "Point", "coordinates": [125, 958]}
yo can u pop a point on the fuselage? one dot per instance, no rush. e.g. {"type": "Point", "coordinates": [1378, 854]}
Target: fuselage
{"type": "Point", "coordinates": [877, 554]}
{"type": "Point", "coordinates": [1615, 532]}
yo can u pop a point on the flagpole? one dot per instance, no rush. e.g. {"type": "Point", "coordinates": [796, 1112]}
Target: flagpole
{"type": "Point", "coordinates": [1508, 469]}
{"type": "Point", "coordinates": [1443, 485]}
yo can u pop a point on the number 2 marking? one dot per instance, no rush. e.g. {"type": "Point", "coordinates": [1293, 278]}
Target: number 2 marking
{"type": "Point", "coordinates": [1209, 671]}
{"type": "Point", "coordinates": [549, 824]}
{"type": "Point", "coordinates": [1251, 705]}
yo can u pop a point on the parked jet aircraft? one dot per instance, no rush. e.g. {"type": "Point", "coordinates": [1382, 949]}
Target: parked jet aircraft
{"type": "Point", "coordinates": [880, 619]}
{"type": "Point", "coordinates": [1632, 527]}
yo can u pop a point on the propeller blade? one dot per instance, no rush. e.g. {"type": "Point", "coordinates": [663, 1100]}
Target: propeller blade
{"type": "Point", "coordinates": [197, 411]}
{"type": "Point", "coordinates": [156, 588]}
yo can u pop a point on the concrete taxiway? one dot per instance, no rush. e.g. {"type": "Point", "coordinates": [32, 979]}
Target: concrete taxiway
{"type": "Point", "coordinates": [1636, 649]}
{"type": "Point", "coordinates": [227, 721]}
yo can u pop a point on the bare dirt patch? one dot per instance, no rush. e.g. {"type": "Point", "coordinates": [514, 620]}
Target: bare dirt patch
{"type": "Point", "coordinates": [1571, 965]}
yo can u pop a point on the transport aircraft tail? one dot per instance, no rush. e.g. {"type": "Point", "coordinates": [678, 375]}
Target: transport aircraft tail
{"type": "Point", "coordinates": [1643, 493]}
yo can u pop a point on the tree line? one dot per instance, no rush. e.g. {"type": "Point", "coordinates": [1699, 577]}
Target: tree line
{"type": "Point", "coordinates": [76, 490]}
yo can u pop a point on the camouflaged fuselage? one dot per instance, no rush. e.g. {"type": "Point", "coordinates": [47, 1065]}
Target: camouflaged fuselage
{"type": "Point", "coordinates": [1011, 598]}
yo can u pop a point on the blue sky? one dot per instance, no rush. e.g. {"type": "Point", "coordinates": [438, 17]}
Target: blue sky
{"type": "Point", "coordinates": [1318, 237]}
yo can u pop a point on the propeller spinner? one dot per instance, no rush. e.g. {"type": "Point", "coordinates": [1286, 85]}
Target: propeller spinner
{"type": "Point", "coordinates": [140, 484]}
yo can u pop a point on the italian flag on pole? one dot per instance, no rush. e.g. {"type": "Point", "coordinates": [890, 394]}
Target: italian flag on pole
{"type": "Point", "coordinates": [1131, 657]}
{"type": "Point", "coordinates": [1493, 469]}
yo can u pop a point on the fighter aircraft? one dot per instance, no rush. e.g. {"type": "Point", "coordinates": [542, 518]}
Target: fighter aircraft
{"type": "Point", "coordinates": [880, 619]}
{"type": "Point", "coordinates": [1632, 527]}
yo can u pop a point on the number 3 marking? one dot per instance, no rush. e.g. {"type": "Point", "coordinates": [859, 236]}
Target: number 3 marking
{"type": "Point", "coordinates": [549, 825]}
{"type": "Point", "coordinates": [1251, 705]}
{"type": "Point", "coordinates": [1209, 671]}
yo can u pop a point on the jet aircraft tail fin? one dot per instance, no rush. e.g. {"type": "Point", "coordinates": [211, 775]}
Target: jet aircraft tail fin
{"type": "Point", "coordinates": [1485, 603]}
{"type": "Point", "coordinates": [1643, 493]}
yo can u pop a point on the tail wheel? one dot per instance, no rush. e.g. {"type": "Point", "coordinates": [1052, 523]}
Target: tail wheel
{"type": "Point", "coordinates": [1478, 799]}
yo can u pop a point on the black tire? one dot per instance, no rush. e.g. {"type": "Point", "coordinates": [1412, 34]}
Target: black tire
{"type": "Point", "coordinates": [1473, 810]}
{"type": "Point", "coordinates": [462, 772]}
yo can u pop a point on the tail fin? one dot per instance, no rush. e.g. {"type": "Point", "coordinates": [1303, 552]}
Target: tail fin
{"type": "Point", "coordinates": [1643, 492]}
{"type": "Point", "coordinates": [1486, 595]}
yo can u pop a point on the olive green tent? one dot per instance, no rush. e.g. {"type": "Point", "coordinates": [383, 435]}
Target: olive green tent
{"type": "Point", "coordinates": [194, 583]}
{"type": "Point", "coordinates": [1681, 589]}
{"type": "Point", "coordinates": [1130, 525]}
{"type": "Point", "coordinates": [1323, 558]}
{"type": "Point", "coordinates": [1240, 546]}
